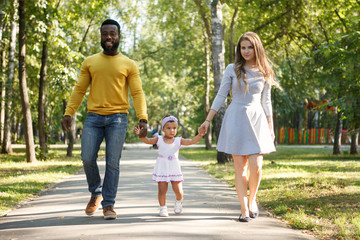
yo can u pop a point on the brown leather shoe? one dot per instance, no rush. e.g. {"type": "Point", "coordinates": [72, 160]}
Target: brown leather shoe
{"type": "Point", "coordinates": [93, 205]}
{"type": "Point", "coordinates": [109, 212]}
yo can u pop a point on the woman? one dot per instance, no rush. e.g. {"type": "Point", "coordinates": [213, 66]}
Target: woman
{"type": "Point", "coordinates": [247, 129]}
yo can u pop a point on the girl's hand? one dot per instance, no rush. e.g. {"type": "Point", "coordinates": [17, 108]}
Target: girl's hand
{"type": "Point", "coordinates": [204, 127]}
{"type": "Point", "coordinates": [137, 130]}
{"type": "Point", "coordinates": [201, 131]}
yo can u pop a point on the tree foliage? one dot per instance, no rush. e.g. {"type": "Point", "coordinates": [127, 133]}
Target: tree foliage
{"type": "Point", "coordinates": [314, 46]}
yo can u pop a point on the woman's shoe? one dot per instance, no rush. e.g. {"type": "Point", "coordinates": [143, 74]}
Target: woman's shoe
{"type": "Point", "coordinates": [244, 219]}
{"type": "Point", "coordinates": [255, 212]}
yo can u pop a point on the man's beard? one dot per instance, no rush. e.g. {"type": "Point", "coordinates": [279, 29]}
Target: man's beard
{"type": "Point", "coordinates": [112, 49]}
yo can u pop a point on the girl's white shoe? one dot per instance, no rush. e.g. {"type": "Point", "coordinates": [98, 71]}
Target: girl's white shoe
{"type": "Point", "coordinates": [178, 207]}
{"type": "Point", "coordinates": [163, 211]}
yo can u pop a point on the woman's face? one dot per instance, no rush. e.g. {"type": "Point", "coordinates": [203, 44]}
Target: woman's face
{"type": "Point", "coordinates": [247, 51]}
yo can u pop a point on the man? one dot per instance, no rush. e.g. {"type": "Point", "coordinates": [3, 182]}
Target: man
{"type": "Point", "coordinates": [110, 75]}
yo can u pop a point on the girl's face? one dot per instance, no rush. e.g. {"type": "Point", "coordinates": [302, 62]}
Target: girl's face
{"type": "Point", "coordinates": [170, 129]}
{"type": "Point", "coordinates": [247, 51]}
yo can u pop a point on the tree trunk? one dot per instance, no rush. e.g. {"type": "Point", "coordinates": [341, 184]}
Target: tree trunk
{"type": "Point", "coordinates": [208, 135]}
{"type": "Point", "coordinates": [184, 133]}
{"type": "Point", "coordinates": [230, 41]}
{"type": "Point", "coordinates": [28, 129]}
{"type": "Point", "coordinates": [2, 113]}
{"type": "Point", "coordinates": [2, 14]}
{"type": "Point", "coordinates": [2, 79]}
{"type": "Point", "coordinates": [65, 133]}
{"type": "Point", "coordinates": [71, 135]}
{"type": "Point", "coordinates": [41, 105]}
{"type": "Point", "coordinates": [6, 140]}
{"type": "Point", "coordinates": [207, 41]}
{"type": "Point", "coordinates": [354, 148]}
{"type": "Point", "coordinates": [218, 65]}
{"type": "Point", "coordinates": [337, 135]}
{"type": "Point", "coordinates": [17, 127]}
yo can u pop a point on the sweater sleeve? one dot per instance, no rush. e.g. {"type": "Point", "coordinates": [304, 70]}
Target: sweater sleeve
{"type": "Point", "coordinates": [266, 99]}
{"type": "Point", "coordinates": [137, 92]}
{"type": "Point", "coordinates": [79, 90]}
{"type": "Point", "coordinates": [224, 88]}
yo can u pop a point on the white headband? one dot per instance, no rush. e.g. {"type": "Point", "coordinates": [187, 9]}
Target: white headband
{"type": "Point", "coordinates": [167, 119]}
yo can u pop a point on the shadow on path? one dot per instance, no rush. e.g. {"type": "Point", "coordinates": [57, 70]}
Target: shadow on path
{"type": "Point", "coordinates": [210, 209]}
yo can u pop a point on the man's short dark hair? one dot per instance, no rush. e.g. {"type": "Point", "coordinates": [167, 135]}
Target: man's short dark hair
{"type": "Point", "coordinates": [111, 22]}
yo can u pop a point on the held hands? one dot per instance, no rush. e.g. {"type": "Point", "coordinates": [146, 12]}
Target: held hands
{"type": "Point", "coordinates": [204, 127]}
{"type": "Point", "coordinates": [141, 130]}
{"type": "Point", "coordinates": [66, 123]}
{"type": "Point", "coordinates": [201, 131]}
{"type": "Point", "coordinates": [136, 130]}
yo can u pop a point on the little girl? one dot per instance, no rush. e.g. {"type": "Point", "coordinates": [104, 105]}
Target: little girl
{"type": "Point", "coordinates": [167, 168]}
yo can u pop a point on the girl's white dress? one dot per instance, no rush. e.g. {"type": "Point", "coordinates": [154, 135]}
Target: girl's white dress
{"type": "Point", "coordinates": [167, 167]}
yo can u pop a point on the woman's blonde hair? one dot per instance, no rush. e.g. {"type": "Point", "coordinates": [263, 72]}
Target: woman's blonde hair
{"type": "Point", "coordinates": [262, 61]}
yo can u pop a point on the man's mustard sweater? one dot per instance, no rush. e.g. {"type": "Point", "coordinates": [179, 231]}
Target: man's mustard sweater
{"type": "Point", "coordinates": [110, 78]}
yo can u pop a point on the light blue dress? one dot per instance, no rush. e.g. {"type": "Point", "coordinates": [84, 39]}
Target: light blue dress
{"type": "Point", "coordinates": [245, 130]}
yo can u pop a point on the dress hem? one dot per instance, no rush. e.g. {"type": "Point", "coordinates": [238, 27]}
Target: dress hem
{"type": "Point", "coordinates": [246, 154]}
{"type": "Point", "coordinates": [168, 181]}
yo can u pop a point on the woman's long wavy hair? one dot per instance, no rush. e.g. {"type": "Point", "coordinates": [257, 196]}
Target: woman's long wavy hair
{"type": "Point", "coordinates": [262, 61]}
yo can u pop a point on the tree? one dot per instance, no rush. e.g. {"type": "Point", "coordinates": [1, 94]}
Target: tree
{"type": "Point", "coordinates": [169, 51]}
{"type": "Point", "coordinates": [207, 52]}
{"type": "Point", "coordinates": [42, 86]}
{"type": "Point", "coordinates": [218, 66]}
{"type": "Point", "coordinates": [2, 14]}
{"type": "Point", "coordinates": [9, 85]}
{"type": "Point", "coordinates": [29, 139]}
{"type": "Point", "coordinates": [337, 60]}
{"type": "Point", "coordinates": [2, 78]}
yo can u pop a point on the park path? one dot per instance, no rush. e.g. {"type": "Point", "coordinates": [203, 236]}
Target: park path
{"type": "Point", "coordinates": [210, 209]}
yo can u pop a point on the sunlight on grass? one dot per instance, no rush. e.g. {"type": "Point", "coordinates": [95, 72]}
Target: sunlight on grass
{"type": "Point", "coordinates": [309, 188]}
{"type": "Point", "coordinates": [20, 180]}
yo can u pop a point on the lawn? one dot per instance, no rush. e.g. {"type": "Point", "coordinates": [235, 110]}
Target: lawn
{"type": "Point", "coordinates": [20, 180]}
{"type": "Point", "coordinates": [308, 187]}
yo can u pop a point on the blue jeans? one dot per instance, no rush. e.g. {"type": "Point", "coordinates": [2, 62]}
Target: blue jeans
{"type": "Point", "coordinates": [97, 127]}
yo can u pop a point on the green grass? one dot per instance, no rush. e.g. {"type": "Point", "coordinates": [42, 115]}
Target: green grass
{"type": "Point", "coordinates": [20, 180]}
{"type": "Point", "coordinates": [309, 188]}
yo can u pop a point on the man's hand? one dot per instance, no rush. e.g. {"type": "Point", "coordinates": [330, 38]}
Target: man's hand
{"type": "Point", "coordinates": [66, 123]}
{"type": "Point", "coordinates": [143, 129]}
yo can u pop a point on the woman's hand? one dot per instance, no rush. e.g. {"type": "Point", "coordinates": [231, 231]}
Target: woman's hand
{"type": "Point", "coordinates": [201, 131]}
{"type": "Point", "coordinates": [204, 127]}
{"type": "Point", "coordinates": [272, 135]}
{"type": "Point", "coordinates": [206, 124]}
{"type": "Point", "coordinates": [271, 128]}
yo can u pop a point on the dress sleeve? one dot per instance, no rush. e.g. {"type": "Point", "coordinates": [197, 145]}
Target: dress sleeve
{"type": "Point", "coordinates": [224, 88]}
{"type": "Point", "coordinates": [179, 139]}
{"type": "Point", "coordinates": [266, 99]}
{"type": "Point", "coordinates": [158, 141]}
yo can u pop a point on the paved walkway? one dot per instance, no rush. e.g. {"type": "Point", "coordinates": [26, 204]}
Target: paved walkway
{"type": "Point", "coordinates": [210, 209]}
